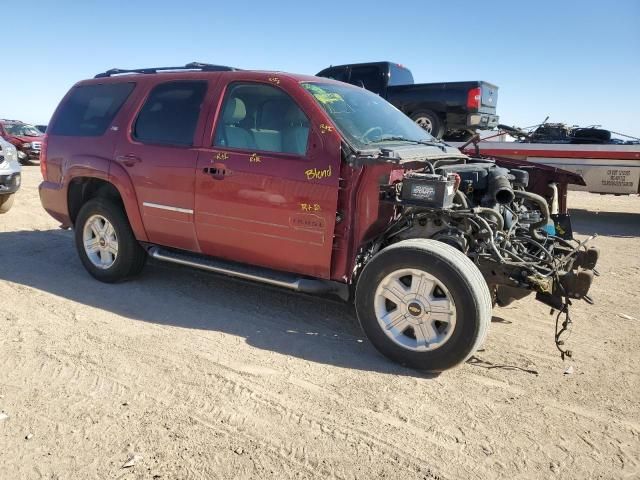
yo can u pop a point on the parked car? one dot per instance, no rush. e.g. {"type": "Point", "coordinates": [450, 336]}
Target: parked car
{"type": "Point", "coordinates": [9, 175]}
{"type": "Point", "coordinates": [454, 109]}
{"type": "Point", "coordinates": [308, 184]}
{"type": "Point", "coordinates": [26, 138]}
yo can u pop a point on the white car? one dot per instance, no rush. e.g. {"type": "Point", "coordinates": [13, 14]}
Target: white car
{"type": "Point", "coordinates": [9, 175]}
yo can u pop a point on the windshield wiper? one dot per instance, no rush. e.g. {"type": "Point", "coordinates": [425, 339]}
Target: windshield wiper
{"type": "Point", "coordinates": [403, 139]}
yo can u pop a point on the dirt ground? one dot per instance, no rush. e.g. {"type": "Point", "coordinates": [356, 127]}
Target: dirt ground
{"type": "Point", "coordinates": [206, 377]}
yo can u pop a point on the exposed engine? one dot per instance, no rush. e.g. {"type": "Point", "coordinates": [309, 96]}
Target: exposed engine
{"type": "Point", "coordinates": [486, 212]}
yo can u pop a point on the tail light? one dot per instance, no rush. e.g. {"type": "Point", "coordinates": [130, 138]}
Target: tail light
{"type": "Point", "coordinates": [43, 157]}
{"type": "Point", "coordinates": [473, 98]}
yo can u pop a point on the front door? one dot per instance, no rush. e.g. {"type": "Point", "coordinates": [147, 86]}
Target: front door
{"type": "Point", "coordinates": [266, 189]}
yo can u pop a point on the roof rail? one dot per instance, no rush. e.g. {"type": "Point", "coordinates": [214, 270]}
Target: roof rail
{"type": "Point", "coordinates": [203, 67]}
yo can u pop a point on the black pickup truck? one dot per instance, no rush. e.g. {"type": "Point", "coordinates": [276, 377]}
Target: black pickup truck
{"type": "Point", "coordinates": [451, 108]}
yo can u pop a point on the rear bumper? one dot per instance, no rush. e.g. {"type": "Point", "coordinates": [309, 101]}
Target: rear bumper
{"type": "Point", "coordinates": [482, 120]}
{"type": "Point", "coordinates": [54, 200]}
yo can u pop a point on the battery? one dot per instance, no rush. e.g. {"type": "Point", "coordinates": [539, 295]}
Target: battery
{"type": "Point", "coordinates": [428, 190]}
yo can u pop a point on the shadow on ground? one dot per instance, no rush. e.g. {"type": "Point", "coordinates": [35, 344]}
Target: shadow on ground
{"type": "Point", "coordinates": [613, 224]}
{"type": "Point", "coordinates": [311, 328]}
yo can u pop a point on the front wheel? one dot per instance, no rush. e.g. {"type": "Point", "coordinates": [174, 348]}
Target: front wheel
{"type": "Point", "coordinates": [105, 242]}
{"type": "Point", "coordinates": [423, 304]}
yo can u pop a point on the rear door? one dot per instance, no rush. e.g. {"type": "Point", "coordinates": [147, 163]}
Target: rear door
{"type": "Point", "coordinates": [159, 156]}
{"type": "Point", "coordinates": [267, 187]}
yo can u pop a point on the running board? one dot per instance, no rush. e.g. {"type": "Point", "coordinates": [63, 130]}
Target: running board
{"type": "Point", "coordinates": [247, 272]}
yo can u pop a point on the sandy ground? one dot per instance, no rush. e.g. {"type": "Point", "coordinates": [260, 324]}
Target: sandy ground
{"type": "Point", "coordinates": [206, 377]}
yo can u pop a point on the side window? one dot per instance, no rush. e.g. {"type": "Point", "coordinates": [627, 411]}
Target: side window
{"type": "Point", "coordinates": [368, 77]}
{"type": "Point", "coordinates": [170, 114]}
{"type": "Point", "coordinates": [90, 109]}
{"type": "Point", "coordinates": [261, 117]}
{"type": "Point", "coordinates": [336, 73]}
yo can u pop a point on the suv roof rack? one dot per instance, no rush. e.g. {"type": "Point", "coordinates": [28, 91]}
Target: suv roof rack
{"type": "Point", "coordinates": [203, 67]}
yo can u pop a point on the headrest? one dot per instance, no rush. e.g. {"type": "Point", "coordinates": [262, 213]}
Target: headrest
{"type": "Point", "coordinates": [234, 111]}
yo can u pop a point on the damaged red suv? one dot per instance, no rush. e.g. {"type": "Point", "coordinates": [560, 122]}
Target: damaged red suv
{"type": "Point", "coordinates": [26, 138]}
{"type": "Point", "coordinates": [312, 185]}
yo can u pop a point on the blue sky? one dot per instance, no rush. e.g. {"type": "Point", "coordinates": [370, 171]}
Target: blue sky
{"type": "Point", "coordinates": [577, 61]}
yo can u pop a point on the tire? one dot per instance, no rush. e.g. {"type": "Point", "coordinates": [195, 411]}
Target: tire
{"type": "Point", "coordinates": [129, 258]}
{"type": "Point", "coordinates": [429, 121]}
{"type": "Point", "coordinates": [6, 202]}
{"type": "Point", "coordinates": [447, 281]}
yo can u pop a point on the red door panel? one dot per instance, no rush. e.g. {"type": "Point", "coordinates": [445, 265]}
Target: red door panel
{"type": "Point", "coordinates": [266, 212]}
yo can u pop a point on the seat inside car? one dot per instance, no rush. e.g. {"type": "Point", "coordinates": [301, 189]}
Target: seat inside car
{"type": "Point", "coordinates": [296, 132]}
{"type": "Point", "coordinates": [232, 134]}
{"type": "Point", "coordinates": [269, 124]}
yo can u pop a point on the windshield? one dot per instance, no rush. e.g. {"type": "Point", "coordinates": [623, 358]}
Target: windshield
{"type": "Point", "coordinates": [364, 118]}
{"type": "Point", "coordinates": [22, 130]}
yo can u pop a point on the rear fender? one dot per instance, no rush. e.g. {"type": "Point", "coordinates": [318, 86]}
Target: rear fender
{"type": "Point", "coordinates": [96, 167]}
{"type": "Point", "coordinates": [119, 177]}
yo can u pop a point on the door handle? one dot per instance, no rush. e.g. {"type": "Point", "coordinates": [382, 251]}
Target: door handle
{"type": "Point", "coordinates": [128, 160]}
{"type": "Point", "coordinates": [217, 171]}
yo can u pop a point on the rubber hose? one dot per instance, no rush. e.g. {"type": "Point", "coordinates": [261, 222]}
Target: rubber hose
{"type": "Point", "coordinates": [544, 208]}
{"type": "Point", "coordinates": [491, 212]}
{"type": "Point", "coordinates": [462, 198]}
{"type": "Point", "coordinates": [500, 187]}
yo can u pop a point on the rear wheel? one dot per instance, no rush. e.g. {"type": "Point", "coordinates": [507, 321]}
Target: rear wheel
{"type": "Point", "coordinates": [6, 202]}
{"type": "Point", "coordinates": [429, 121]}
{"type": "Point", "coordinates": [423, 304]}
{"type": "Point", "coordinates": [105, 242]}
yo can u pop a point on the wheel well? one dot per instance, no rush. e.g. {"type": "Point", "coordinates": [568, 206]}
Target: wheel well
{"type": "Point", "coordinates": [83, 189]}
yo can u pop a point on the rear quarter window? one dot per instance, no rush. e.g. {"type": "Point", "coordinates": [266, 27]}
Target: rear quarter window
{"type": "Point", "coordinates": [90, 109]}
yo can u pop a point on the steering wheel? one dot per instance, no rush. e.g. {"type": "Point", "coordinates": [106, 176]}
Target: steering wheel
{"type": "Point", "coordinates": [366, 134]}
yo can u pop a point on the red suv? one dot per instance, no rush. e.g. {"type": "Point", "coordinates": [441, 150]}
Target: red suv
{"type": "Point", "coordinates": [26, 138]}
{"type": "Point", "coordinates": [309, 184]}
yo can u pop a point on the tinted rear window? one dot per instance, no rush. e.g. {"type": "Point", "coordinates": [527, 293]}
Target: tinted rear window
{"type": "Point", "coordinates": [90, 109]}
{"type": "Point", "coordinates": [170, 114]}
{"type": "Point", "coordinates": [400, 75]}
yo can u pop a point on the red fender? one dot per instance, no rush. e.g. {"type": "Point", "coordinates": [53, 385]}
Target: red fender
{"type": "Point", "coordinates": [119, 177]}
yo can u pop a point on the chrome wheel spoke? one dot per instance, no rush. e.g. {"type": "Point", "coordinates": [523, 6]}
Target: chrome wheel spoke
{"type": "Point", "coordinates": [92, 245]}
{"type": "Point", "coordinates": [422, 285]}
{"type": "Point", "coordinates": [109, 232]}
{"type": "Point", "coordinates": [394, 291]}
{"type": "Point", "coordinates": [396, 320]}
{"type": "Point", "coordinates": [425, 334]}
